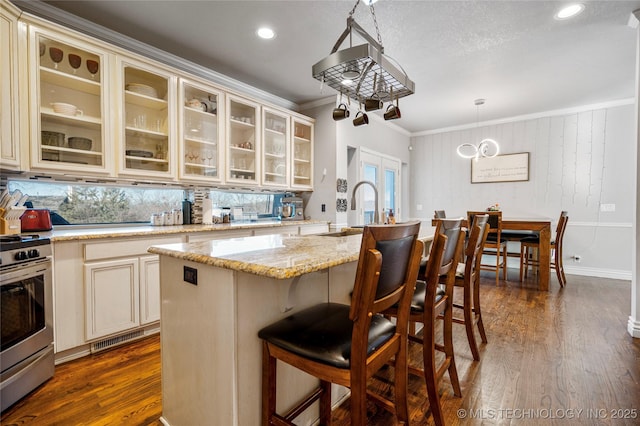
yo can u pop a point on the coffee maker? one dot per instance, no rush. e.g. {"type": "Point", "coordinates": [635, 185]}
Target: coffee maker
{"type": "Point", "coordinates": [292, 209]}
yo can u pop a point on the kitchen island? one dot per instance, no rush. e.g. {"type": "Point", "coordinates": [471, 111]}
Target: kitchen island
{"type": "Point", "coordinates": [216, 295]}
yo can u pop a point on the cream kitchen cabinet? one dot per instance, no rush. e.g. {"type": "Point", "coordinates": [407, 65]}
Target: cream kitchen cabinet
{"type": "Point", "coordinates": [121, 285]}
{"type": "Point", "coordinates": [9, 87]}
{"type": "Point", "coordinates": [201, 136]}
{"type": "Point", "coordinates": [69, 104]}
{"type": "Point", "coordinates": [276, 148]}
{"type": "Point", "coordinates": [302, 153]}
{"type": "Point", "coordinates": [103, 289]}
{"type": "Point", "coordinates": [111, 291]}
{"type": "Point", "coordinates": [148, 132]}
{"type": "Point", "coordinates": [243, 141]}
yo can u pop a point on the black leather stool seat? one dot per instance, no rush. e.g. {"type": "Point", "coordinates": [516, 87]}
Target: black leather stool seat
{"type": "Point", "coordinates": [323, 333]}
{"type": "Point", "coordinates": [417, 303]}
{"type": "Point", "coordinates": [535, 240]}
{"type": "Point", "coordinates": [493, 239]}
{"type": "Point", "coordinates": [510, 235]}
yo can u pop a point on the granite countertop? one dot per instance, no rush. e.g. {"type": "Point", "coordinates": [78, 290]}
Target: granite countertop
{"type": "Point", "coordinates": [273, 256]}
{"type": "Point", "coordinates": [71, 234]}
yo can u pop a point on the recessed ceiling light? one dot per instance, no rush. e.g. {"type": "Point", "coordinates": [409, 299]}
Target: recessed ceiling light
{"type": "Point", "coordinates": [369, 2]}
{"type": "Point", "coordinates": [266, 33]}
{"type": "Point", "coordinates": [570, 11]}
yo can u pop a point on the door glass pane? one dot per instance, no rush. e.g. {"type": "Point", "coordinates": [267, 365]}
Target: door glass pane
{"type": "Point", "coordinates": [368, 195]}
{"type": "Point", "coordinates": [389, 192]}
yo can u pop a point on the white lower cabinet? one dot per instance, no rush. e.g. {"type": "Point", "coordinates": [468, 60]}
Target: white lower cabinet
{"type": "Point", "coordinates": [149, 289]}
{"type": "Point", "coordinates": [112, 290]}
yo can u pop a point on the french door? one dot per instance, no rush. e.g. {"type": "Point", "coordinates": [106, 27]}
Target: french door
{"type": "Point", "coordinates": [384, 172]}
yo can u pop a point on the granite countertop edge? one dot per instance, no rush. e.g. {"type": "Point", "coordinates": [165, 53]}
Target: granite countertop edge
{"type": "Point", "coordinates": [68, 234]}
{"type": "Point", "coordinates": [279, 273]}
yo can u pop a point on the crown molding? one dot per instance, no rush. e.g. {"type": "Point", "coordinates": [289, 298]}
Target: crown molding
{"type": "Point", "coordinates": [533, 116]}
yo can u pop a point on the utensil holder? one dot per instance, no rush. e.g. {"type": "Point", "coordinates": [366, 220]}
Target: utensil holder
{"type": "Point", "coordinates": [9, 226]}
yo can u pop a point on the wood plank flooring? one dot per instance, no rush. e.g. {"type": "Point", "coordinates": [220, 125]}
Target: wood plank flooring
{"type": "Point", "coordinates": [562, 357]}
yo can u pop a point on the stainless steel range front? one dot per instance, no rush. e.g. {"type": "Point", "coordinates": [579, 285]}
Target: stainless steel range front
{"type": "Point", "coordinates": [26, 309]}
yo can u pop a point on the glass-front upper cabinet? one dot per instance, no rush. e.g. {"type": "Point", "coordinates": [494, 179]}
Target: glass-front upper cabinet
{"type": "Point", "coordinates": [147, 94]}
{"type": "Point", "coordinates": [302, 152]}
{"type": "Point", "coordinates": [200, 143]}
{"type": "Point", "coordinates": [243, 140]}
{"type": "Point", "coordinates": [69, 106]}
{"type": "Point", "coordinates": [275, 147]}
{"type": "Point", "coordinates": [9, 71]}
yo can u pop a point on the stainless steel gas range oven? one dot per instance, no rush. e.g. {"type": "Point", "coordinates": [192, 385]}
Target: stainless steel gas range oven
{"type": "Point", "coordinates": [26, 309]}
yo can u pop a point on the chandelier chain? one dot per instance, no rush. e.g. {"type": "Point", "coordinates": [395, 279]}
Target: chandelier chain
{"type": "Point", "coordinates": [375, 23]}
{"type": "Point", "coordinates": [373, 14]}
{"type": "Point", "coordinates": [355, 6]}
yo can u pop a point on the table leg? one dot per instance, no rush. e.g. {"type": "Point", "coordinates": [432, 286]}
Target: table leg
{"type": "Point", "coordinates": [545, 258]}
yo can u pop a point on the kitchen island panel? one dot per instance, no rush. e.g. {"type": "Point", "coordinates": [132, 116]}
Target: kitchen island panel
{"type": "Point", "coordinates": [211, 353]}
{"type": "Point", "coordinates": [198, 345]}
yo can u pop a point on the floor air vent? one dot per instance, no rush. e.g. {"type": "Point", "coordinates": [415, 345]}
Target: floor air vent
{"type": "Point", "coordinates": [115, 341]}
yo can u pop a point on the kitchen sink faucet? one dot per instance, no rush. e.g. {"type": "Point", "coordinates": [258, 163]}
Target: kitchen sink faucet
{"type": "Point", "coordinates": [376, 217]}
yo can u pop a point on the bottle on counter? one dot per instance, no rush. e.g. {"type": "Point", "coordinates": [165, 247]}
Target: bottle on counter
{"type": "Point", "coordinates": [392, 218]}
{"type": "Point", "coordinates": [186, 212]}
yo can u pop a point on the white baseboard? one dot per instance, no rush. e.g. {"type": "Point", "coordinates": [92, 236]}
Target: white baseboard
{"type": "Point", "coordinates": [633, 327]}
{"type": "Point", "coordinates": [615, 274]}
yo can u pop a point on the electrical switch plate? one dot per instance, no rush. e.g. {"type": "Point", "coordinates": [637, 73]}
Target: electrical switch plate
{"type": "Point", "coordinates": [190, 275]}
{"type": "Point", "coordinates": [607, 207]}
{"type": "Point", "coordinates": [419, 207]}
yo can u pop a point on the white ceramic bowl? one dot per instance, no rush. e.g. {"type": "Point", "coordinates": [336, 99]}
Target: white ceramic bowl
{"type": "Point", "coordinates": [66, 109]}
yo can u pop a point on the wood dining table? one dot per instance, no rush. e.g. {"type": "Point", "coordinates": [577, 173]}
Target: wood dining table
{"type": "Point", "coordinates": [540, 225]}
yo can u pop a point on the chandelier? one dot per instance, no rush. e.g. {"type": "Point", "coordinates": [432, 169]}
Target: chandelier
{"type": "Point", "coordinates": [486, 148]}
{"type": "Point", "coordinates": [364, 73]}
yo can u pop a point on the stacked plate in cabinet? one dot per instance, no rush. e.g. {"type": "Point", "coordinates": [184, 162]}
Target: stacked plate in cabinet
{"type": "Point", "coordinates": [142, 89]}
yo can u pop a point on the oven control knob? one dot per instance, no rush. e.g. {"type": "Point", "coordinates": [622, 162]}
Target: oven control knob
{"type": "Point", "coordinates": [21, 255]}
{"type": "Point", "coordinates": [33, 253]}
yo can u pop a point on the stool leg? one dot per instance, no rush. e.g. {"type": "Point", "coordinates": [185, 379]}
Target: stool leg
{"type": "Point", "coordinates": [325, 403]}
{"type": "Point", "coordinates": [476, 308]}
{"type": "Point", "coordinates": [430, 373]}
{"type": "Point", "coordinates": [522, 261]}
{"type": "Point", "coordinates": [468, 320]}
{"type": "Point", "coordinates": [268, 385]}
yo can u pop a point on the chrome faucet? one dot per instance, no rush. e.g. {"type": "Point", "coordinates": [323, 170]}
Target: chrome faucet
{"type": "Point", "coordinates": [376, 218]}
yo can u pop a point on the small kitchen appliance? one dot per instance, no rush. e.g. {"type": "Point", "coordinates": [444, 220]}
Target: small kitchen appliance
{"type": "Point", "coordinates": [36, 220]}
{"type": "Point", "coordinates": [292, 209]}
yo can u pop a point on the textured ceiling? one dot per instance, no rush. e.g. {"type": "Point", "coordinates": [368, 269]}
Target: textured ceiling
{"type": "Point", "coordinates": [513, 53]}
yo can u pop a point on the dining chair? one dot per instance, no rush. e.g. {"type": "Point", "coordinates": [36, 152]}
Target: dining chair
{"type": "Point", "coordinates": [495, 245]}
{"type": "Point", "coordinates": [468, 278]}
{"type": "Point", "coordinates": [347, 344]}
{"type": "Point", "coordinates": [430, 301]}
{"type": "Point", "coordinates": [532, 244]}
{"type": "Point", "coordinates": [439, 214]}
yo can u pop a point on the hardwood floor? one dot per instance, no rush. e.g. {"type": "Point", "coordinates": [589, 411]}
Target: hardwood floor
{"type": "Point", "coordinates": [557, 357]}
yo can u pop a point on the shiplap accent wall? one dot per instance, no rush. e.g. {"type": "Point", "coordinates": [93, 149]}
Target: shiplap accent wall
{"type": "Point", "coordinates": [578, 161]}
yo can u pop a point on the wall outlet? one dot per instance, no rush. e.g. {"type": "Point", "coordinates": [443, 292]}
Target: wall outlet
{"type": "Point", "coordinates": [607, 207]}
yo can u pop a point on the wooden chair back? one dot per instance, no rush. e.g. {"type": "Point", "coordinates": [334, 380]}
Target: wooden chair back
{"type": "Point", "coordinates": [494, 221]}
{"type": "Point", "coordinates": [439, 214]}
{"type": "Point", "coordinates": [561, 228]}
{"type": "Point", "coordinates": [386, 275]}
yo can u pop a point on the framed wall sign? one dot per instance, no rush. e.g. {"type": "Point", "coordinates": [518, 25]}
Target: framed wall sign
{"type": "Point", "coordinates": [502, 168]}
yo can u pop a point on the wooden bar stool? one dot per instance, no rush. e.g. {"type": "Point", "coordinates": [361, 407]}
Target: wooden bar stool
{"type": "Point", "coordinates": [468, 278]}
{"type": "Point", "coordinates": [430, 302]}
{"type": "Point", "coordinates": [347, 344]}
{"type": "Point", "coordinates": [530, 244]}
{"type": "Point", "coordinates": [495, 244]}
